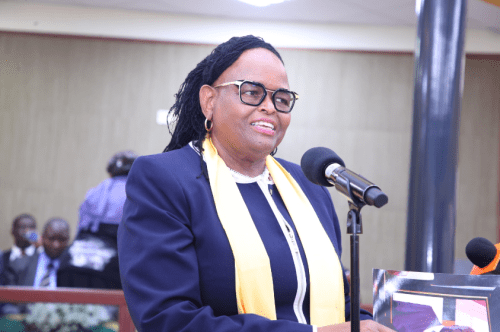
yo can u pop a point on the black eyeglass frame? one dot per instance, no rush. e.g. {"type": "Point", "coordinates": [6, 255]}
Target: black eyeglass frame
{"type": "Point", "coordinates": [239, 83]}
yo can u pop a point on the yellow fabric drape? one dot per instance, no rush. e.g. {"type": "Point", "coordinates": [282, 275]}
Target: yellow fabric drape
{"type": "Point", "coordinates": [254, 283]}
{"type": "Point", "coordinates": [493, 2]}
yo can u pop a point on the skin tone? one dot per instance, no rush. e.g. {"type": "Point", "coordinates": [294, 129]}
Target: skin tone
{"type": "Point", "coordinates": [239, 135]}
{"type": "Point", "coordinates": [55, 238]}
{"type": "Point", "coordinates": [21, 227]}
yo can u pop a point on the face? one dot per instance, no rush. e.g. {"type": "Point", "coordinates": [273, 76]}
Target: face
{"type": "Point", "coordinates": [21, 227]}
{"type": "Point", "coordinates": [243, 131]}
{"type": "Point", "coordinates": [55, 239]}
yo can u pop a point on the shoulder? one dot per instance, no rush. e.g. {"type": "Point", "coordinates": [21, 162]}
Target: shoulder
{"type": "Point", "coordinates": [5, 257]}
{"type": "Point", "coordinates": [292, 168]}
{"type": "Point", "coordinates": [169, 176]}
{"type": "Point", "coordinates": [318, 196]}
{"type": "Point", "coordinates": [179, 160]}
{"type": "Point", "coordinates": [296, 171]}
{"type": "Point", "coordinates": [6, 254]}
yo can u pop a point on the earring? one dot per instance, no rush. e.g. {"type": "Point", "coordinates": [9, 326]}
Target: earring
{"type": "Point", "coordinates": [206, 125]}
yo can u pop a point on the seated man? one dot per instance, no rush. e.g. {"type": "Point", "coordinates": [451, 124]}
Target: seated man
{"type": "Point", "coordinates": [18, 257]}
{"type": "Point", "coordinates": [41, 270]}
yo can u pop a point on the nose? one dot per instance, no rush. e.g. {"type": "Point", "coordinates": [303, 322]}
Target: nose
{"type": "Point", "coordinates": [267, 104]}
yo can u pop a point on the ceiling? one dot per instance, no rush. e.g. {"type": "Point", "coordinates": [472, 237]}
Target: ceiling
{"type": "Point", "coordinates": [480, 15]}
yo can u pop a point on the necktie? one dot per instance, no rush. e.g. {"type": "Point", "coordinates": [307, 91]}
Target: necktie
{"type": "Point", "coordinates": [45, 282]}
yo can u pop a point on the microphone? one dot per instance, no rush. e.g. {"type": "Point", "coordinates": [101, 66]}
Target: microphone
{"type": "Point", "coordinates": [31, 236]}
{"type": "Point", "coordinates": [484, 255]}
{"type": "Point", "coordinates": [324, 167]}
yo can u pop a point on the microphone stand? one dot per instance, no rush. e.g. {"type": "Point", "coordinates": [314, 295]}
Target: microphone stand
{"type": "Point", "coordinates": [354, 227]}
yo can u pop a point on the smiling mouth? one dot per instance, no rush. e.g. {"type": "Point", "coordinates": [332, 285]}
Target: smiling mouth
{"type": "Point", "coordinates": [263, 124]}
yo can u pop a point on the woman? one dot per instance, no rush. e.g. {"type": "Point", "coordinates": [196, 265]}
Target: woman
{"type": "Point", "coordinates": [216, 234]}
{"type": "Point", "coordinates": [92, 261]}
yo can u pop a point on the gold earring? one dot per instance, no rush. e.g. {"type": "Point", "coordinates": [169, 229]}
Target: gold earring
{"type": "Point", "coordinates": [206, 125]}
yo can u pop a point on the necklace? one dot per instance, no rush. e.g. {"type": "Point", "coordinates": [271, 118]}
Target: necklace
{"type": "Point", "coordinates": [242, 178]}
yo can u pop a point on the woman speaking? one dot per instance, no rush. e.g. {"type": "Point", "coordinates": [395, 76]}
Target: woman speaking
{"type": "Point", "coordinates": [217, 235]}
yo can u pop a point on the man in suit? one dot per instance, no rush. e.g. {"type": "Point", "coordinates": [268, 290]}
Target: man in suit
{"type": "Point", "coordinates": [17, 258]}
{"type": "Point", "coordinates": [41, 270]}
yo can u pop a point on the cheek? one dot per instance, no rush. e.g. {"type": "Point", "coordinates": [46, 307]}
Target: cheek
{"type": "Point", "coordinates": [284, 122]}
{"type": "Point", "coordinates": [228, 120]}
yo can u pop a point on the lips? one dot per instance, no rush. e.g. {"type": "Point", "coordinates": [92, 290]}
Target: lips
{"type": "Point", "coordinates": [264, 124]}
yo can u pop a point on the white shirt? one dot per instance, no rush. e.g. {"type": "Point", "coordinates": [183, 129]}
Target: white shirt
{"type": "Point", "coordinates": [41, 269]}
{"type": "Point", "coordinates": [17, 252]}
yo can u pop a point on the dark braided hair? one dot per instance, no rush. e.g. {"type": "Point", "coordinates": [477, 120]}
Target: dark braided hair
{"type": "Point", "coordinates": [189, 119]}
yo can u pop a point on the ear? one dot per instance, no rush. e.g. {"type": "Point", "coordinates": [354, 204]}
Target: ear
{"type": "Point", "coordinates": [207, 100]}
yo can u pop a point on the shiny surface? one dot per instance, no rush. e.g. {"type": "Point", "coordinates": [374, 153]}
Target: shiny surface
{"type": "Point", "coordinates": [430, 238]}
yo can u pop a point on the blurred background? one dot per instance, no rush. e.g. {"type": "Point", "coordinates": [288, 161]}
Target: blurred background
{"type": "Point", "coordinates": [83, 79]}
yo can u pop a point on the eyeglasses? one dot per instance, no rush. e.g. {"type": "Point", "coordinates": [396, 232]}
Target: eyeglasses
{"type": "Point", "coordinates": [254, 93]}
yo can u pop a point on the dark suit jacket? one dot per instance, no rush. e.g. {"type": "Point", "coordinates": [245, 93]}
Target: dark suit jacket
{"type": "Point", "coordinates": [176, 264]}
{"type": "Point", "coordinates": [20, 272]}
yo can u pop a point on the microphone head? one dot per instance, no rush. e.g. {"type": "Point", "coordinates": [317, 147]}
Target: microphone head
{"type": "Point", "coordinates": [314, 163]}
{"type": "Point", "coordinates": [31, 236]}
{"type": "Point", "coordinates": [480, 251]}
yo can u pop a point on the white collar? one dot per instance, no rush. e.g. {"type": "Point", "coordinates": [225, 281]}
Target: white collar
{"type": "Point", "coordinates": [265, 177]}
{"type": "Point", "coordinates": [16, 252]}
{"type": "Point", "coordinates": [45, 259]}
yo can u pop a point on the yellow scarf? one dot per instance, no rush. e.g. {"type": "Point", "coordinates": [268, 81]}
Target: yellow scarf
{"type": "Point", "coordinates": [254, 282]}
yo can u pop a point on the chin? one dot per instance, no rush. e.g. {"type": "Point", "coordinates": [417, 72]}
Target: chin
{"type": "Point", "coordinates": [265, 150]}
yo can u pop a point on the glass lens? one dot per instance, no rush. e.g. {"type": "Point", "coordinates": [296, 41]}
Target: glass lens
{"type": "Point", "coordinates": [283, 100]}
{"type": "Point", "coordinates": [252, 94]}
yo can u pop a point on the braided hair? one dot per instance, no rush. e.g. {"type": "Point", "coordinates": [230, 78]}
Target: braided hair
{"type": "Point", "coordinates": [189, 119]}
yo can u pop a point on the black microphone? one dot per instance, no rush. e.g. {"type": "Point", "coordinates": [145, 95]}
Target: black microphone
{"type": "Point", "coordinates": [324, 167]}
{"type": "Point", "coordinates": [484, 255]}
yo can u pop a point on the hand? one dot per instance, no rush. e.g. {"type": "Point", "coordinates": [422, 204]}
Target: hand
{"type": "Point", "coordinates": [365, 326]}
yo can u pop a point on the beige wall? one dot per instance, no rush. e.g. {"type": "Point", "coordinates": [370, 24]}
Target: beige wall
{"type": "Point", "coordinates": [68, 104]}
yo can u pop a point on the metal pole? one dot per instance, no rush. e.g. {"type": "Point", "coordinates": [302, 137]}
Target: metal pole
{"type": "Point", "coordinates": [355, 227]}
{"type": "Point", "coordinates": [439, 62]}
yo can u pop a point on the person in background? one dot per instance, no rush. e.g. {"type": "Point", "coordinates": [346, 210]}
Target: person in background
{"type": "Point", "coordinates": [217, 235]}
{"type": "Point", "coordinates": [25, 245]}
{"type": "Point", "coordinates": [41, 270]}
{"type": "Point", "coordinates": [103, 205]}
{"type": "Point", "coordinates": [91, 261]}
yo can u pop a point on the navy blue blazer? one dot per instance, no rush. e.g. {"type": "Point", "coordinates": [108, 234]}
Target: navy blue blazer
{"type": "Point", "coordinates": [176, 264]}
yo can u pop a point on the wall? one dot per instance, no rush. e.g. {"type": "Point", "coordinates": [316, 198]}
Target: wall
{"type": "Point", "coordinates": [64, 19]}
{"type": "Point", "coordinates": [68, 104]}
